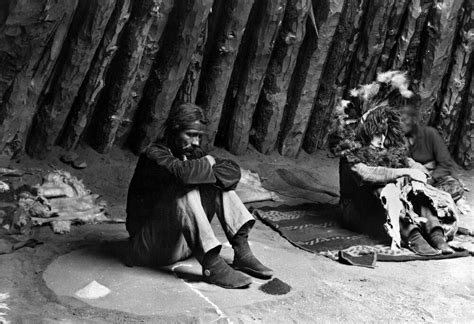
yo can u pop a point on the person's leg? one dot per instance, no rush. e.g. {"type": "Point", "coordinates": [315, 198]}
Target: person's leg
{"type": "Point", "coordinates": [172, 236]}
{"type": "Point", "coordinates": [434, 231]}
{"type": "Point", "coordinates": [158, 242]}
{"type": "Point", "coordinates": [197, 230]}
{"type": "Point", "coordinates": [452, 186]}
{"type": "Point", "coordinates": [412, 237]}
{"type": "Point", "coordinates": [237, 223]}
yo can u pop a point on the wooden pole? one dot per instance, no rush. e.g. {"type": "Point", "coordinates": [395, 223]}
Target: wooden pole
{"type": "Point", "coordinates": [83, 39]}
{"type": "Point", "coordinates": [454, 106]}
{"type": "Point", "coordinates": [264, 30]}
{"type": "Point", "coordinates": [394, 26]}
{"type": "Point", "coordinates": [332, 84]}
{"type": "Point", "coordinates": [307, 76]}
{"type": "Point", "coordinates": [221, 52]}
{"type": "Point", "coordinates": [373, 34]}
{"type": "Point", "coordinates": [151, 48]}
{"type": "Point", "coordinates": [442, 23]}
{"type": "Point", "coordinates": [86, 100]}
{"type": "Point", "coordinates": [269, 112]}
{"type": "Point", "coordinates": [114, 99]}
{"type": "Point", "coordinates": [30, 46]}
{"type": "Point", "coordinates": [178, 45]}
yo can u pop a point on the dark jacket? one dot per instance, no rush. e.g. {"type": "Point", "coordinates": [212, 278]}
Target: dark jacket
{"type": "Point", "coordinates": [160, 177]}
{"type": "Point", "coordinates": [428, 147]}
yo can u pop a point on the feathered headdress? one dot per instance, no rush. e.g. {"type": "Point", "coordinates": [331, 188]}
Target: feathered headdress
{"type": "Point", "coordinates": [373, 109]}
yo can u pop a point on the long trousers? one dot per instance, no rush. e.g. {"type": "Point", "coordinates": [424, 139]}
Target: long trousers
{"type": "Point", "coordinates": [186, 230]}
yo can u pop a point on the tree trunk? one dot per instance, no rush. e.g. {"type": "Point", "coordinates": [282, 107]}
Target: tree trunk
{"type": "Point", "coordinates": [458, 82]}
{"type": "Point", "coordinates": [151, 48]}
{"type": "Point", "coordinates": [307, 75]}
{"type": "Point", "coordinates": [372, 41]}
{"type": "Point", "coordinates": [331, 85]}
{"type": "Point", "coordinates": [399, 10]}
{"type": "Point", "coordinates": [113, 100]}
{"type": "Point", "coordinates": [220, 56]}
{"type": "Point", "coordinates": [30, 43]}
{"type": "Point", "coordinates": [85, 34]}
{"type": "Point", "coordinates": [442, 22]}
{"type": "Point", "coordinates": [168, 71]}
{"type": "Point", "coordinates": [269, 112]}
{"type": "Point", "coordinates": [267, 22]}
{"type": "Point", "coordinates": [86, 100]}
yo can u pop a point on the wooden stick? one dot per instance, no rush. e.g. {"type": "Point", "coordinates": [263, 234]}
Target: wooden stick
{"type": "Point", "coordinates": [221, 51]}
{"type": "Point", "coordinates": [267, 21]}
{"type": "Point", "coordinates": [114, 98]}
{"type": "Point", "coordinates": [370, 48]}
{"type": "Point", "coordinates": [443, 21]}
{"type": "Point", "coordinates": [331, 85]}
{"type": "Point", "coordinates": [85, 35]}
{"type": "Point", "coordinates": [179, 44]}
{"type": "Point", "coordinates": [269, 112]}
{"type": "Point", "coordinates": [306, 80]}
{"type": "Point", "coordinates": [86, 100]}
{"type": "Point", "coordinates": [151, 48]}
{"type": "Point", "coordinates": [36, 51]}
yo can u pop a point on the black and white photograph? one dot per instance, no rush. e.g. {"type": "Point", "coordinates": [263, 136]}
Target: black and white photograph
{"type": "Point", "coordinates": [236, 161]}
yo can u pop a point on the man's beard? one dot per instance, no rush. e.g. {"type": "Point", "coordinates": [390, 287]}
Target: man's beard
{"type": "Point", "coordinates": [190, 152]}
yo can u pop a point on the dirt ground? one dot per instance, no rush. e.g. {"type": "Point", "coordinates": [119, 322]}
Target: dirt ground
{"type": "Point", "coordinates": [323, 290]}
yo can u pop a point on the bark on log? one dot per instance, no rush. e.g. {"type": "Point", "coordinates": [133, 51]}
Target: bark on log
{"type": "Point", "coordinates": [399, 10]}
{"type": "Point", "coordinates": [414, 18]}
{"type": "Point", "coordinates": [113, 100]}
{"type": "Point", "coordinates": [458, 82]}
{"type": "Point", "coordinates": [33, 40]}
{"type": "Point", "coordinates": [178, 45]}
{"type": "Point", "coordinates": [414, 52]}
{"type": "Point", "coordinates": [442, 23]}
{"type": "Point", "coordinates": [267, 22]}
{"type": "Point", "coordinates": [269, 112]}
{"type": "Point", "coordinates": [331, 85]}
{"type": "Point", "coordinates": [4, 11]}
{"type": "Point", "coordinates": [86, 100]}
{"type": "Point", "coordinates": [221, 52]}
{"type": "Point", "coordinates": [464, 152]}
{"type": "Point", "coordinates": [307, 76]}
{"type": "Point", "coordinates": [188, 90]}
{"type": "Point", "coordinates": [370, 48]}
{"type": "Point", "coordinates": [152, 46]}
{"type": "Point", "coordinates": [88, 26]}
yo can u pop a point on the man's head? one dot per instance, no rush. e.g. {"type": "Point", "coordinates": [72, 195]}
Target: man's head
{"type": "Point", "coordinates": [409, 115]}
{"type": "Point", "coordinates": [184, 127]}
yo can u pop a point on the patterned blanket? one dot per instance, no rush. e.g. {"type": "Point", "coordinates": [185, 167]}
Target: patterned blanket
{"type": "Point", "coordinates": [315, 228]}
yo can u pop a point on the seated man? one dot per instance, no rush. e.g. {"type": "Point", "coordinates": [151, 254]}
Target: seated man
{"type": "Point", "coordinates": [428, 148]}
{"type": "Point", "coordinates": [174, 193]}
{"type": "Point", "coordinates": [380, 192]}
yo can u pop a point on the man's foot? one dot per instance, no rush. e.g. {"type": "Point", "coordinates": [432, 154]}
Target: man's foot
{"type": "Point", "coordinates": [221, 274]}
{"type": "Point", "coordinates": [438, 241]}
{"type": "Point", "coordinates": [252, 266]}
{"type": "Point", "coordinates": [418, 244]}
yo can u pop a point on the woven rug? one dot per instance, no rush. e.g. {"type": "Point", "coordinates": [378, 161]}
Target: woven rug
{"type": "Point", "coordinates": [316, 228]}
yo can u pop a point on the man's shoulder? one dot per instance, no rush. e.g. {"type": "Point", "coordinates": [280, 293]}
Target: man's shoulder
{"type": "Point", "coordinates": [154, 151]}
{"type": "Point", "coordinates": [156, 146]}
{"type": "Point", "coordinates": [429, 130]}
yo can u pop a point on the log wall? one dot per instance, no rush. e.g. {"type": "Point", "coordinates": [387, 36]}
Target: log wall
{"type": "Point", "coordinates": [266, 72]}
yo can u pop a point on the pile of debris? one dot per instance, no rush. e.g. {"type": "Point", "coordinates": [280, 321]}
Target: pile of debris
{"type": "Point", "coordinates": [60, 200]}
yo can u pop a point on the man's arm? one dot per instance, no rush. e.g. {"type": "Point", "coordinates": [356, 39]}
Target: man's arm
{"type": "Point", "coordinates": [227, 173]}
{"type": "Point", "coordinates": [444, 163]}
{"type": "Point", "coordinates": [383, 175]}
{"type": "Point", "coordinates": [189, 172]}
